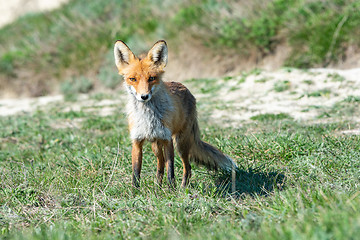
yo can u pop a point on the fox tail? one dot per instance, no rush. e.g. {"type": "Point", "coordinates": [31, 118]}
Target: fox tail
{"type": "Point", "coordinates": [207, 155]}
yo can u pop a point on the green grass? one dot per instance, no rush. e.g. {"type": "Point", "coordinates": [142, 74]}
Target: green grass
{"type": "Point", "coordinates": [319, 93]}
{"type": "Point", "coordinates": [347, 108]}
{"type": "Point", "coordinates": [308, 82]}
{"type": "Point", "coordinates": [77, 39]}
{"type": "Point", "coordinates": [323, 27]}
{"type": "Point", "coordinates": [206, 85]}
{"type": "Point", "coordinates": [295, 181]}
{"type": "Point", "coordinates": [336, 77]}
{"type": "Point", "coordinates": [261, 80]}
{"type": "Point", "coordinates": [281, 86]}
{"type": "Point", "coordinates": [317, 31]}
{"type": "Point", "coordinates": [270, 117]}
{"type": "Point", "coordinates": [351, 99]}
{"type": "Point", "coordinates": [72, 87]}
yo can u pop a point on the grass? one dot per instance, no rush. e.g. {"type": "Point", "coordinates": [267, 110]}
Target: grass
{"type": "Point", "coordinates": [261, 80]}
{"type": "Point", "coordinates": [308, 82]}
{"type": "Point", "coordinates": [281, 86]}
{"type": "Point", "coordinates": [336, 77]}
{"type": "Point", "coordinates": [77, 38]}
{"type": "Point", "coordinates": [347, 108]}
{"type": "Point", "coordinates": [206, 85]}
{"type": "Point", "coordinates": [321, 42]}
{"type": "Point", "coordinates": [319, 93]}
{"type": "Point", "coordinates": [296, 180]}
{"type": "Point", "coordinates": [72, 87]}
{"type": "Point", "coordinates": [270, 117]}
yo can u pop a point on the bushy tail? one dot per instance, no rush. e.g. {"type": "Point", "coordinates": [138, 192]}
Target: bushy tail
{"type": "Point", "coordinates": [209, 156]}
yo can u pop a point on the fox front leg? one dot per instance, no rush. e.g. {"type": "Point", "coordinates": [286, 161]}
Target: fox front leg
{"type": "Point", "coordinates": [136, 160]}
{"type": "Point", "coordinates": [157, 148]}
{"type": "Point", "coordinates": [169, 161]}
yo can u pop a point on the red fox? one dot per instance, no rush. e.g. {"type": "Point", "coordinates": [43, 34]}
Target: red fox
{"type": "Point", "coordinates": [163, 113]}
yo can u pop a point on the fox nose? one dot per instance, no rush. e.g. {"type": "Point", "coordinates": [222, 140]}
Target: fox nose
{"type": "Point", "coordinates": [144, 96]}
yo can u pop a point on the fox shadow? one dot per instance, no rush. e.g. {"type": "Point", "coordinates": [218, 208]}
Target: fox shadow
{"type": "Point", "coordinates": [249, 182]}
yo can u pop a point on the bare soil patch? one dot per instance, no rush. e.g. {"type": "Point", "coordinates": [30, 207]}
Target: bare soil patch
{"type": "Point", "coordinates": [300, 94]}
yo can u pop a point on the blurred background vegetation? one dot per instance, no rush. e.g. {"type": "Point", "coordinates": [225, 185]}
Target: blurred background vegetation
{"type": "Point", "coordinates": [47, 52]}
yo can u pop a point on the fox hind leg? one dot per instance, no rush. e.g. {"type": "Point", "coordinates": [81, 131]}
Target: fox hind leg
{"type": "Point", "coordinates": [184, 155]}
{"type": "Point", "coordinates": [183, 148]}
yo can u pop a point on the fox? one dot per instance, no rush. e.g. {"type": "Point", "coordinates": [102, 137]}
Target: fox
{"type": "Point", "coordinates": [164, 114]}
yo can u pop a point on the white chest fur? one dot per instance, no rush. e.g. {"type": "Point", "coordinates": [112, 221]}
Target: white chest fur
{"type": "Point", "coordinates": [147, 118]}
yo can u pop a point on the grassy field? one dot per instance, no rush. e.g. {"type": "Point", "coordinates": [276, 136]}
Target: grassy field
{"type": "Point", "coordinates": [76, 40]}
{"type": "Point", "coordinates": [66, 174]}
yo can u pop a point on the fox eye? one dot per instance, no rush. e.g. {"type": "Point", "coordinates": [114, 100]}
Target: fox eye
{"type": "Point", "coordinates": [151, 79]}
{"type": "Point", "coordinates": [132, 79]}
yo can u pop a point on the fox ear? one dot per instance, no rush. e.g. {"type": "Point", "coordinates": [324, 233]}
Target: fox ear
{"type": "Point", "coordinates": [158, 54]}
{"type": "Point", "coordinates": [123, 55]}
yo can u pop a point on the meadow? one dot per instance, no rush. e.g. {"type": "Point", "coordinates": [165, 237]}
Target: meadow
{"type": "Point", "coordinates": [66, 174]}
{"type": "Point", "coordinates": [65, 167]}
{"type": "Point", "coordinates": [75, 42]}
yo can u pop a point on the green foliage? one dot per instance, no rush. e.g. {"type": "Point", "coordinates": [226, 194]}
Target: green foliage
{"type": "Point", "coordinates": [308, 82]}
{"type": "Point", "coordinates": [261, 80]}
{"type": "Point", "coordinates": [264, 28]}
{"type": "Point", "coordinates": [281, 86]}
{"type": "Point", "coordinates": [271, 117]}
{"type": "Point", "coordinates": [336, 77]}
{"type": "Point", "coordinates": [71, 87]}
{"type": "Point", "coordinates": [108, 74]}
{"type": "Point", "coordinates": [76, 39]}
{"type": "Point", "coordinates": [351, 99]}
{"type": "Point", "coordinates": [318, 31]}
{"type": "Point", "coordinates": [7, 62]}
{"type": "Point", "coordinates": [349, 107]}
{"type": "Point", "coordinates": [109, 77]}
{"type": "Point", "coordinates": [323, 30]}
{"type": "Point", "coordinates": [72, 37]}
{"type": "Point", "coordinates": [188, 16]}
{"type": "Point", "coordinates": [319, 93]}
{"type": "Point", "coordinates": [206, 85]}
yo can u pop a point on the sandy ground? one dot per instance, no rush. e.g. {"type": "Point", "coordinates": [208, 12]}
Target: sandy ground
{"type": "Point", "coordinates": [306, 92]}
{"type": "Point", "coordinates": [12, 9]}
{"type": "Point", "coordinates": [239, 99]}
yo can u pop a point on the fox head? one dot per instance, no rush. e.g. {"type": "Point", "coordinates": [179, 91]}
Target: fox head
{"type": "Point", "coordinates": [142, 76]}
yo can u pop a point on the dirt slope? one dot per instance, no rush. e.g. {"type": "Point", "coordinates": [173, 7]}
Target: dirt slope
{"type": "Point", "coordinates": [10, 10]}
